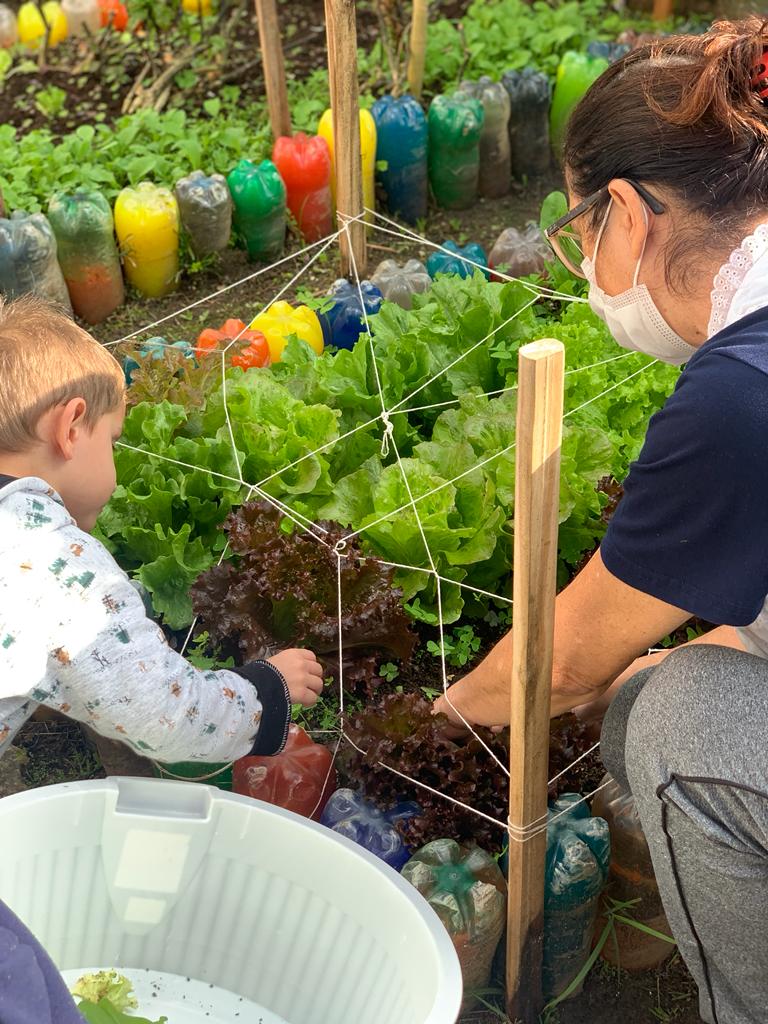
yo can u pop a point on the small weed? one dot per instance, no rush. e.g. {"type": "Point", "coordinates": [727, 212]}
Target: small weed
{"type": "Point", "coordinates": [389, 671]}
{"type": "Point", "coordinates": [460, 646]}
{"type": "Point", "coordinates": [51, 101]}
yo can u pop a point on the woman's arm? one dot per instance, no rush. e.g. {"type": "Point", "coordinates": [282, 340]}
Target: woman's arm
{"type": "Point", "coordinates": [601, 626]}
{"type": "Point", "coordinates": [593, 712]}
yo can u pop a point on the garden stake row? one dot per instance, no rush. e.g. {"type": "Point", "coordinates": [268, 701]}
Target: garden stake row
{"type": "Point", "coordinates": [537, 484]}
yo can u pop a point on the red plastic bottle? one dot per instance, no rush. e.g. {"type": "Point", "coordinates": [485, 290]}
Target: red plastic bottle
{"type": "Point", "coordinates": [304, 163]}
{"type": "Point", "coordinates": [301, 778]}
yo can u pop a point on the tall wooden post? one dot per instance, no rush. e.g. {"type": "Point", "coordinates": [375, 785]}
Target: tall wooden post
{"type": "Point", "coordinates": [663, 9]}
{"type": "Point", "coordinates": [537, 485]}
{"type": "Point", "coordinates": [274, 67]}
{"type": "Point", "coordinates": [417, 50]}
{"type": "Point", "coordinates": [345, 104]}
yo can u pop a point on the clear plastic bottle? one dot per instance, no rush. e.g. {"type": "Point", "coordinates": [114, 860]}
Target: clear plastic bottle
{"type": "Point", "coordinates": [9, 29]}
{"type": "Point", "coordinates": [28, 262]}
{"type": "Point", "coordinates": [495, 155]}
{"type": "Point", "coordinates": [518, 253]}
{"type": "Point", "coordinates": [147, 225]}
{"type": "Point", "coordinates": [84, 228]}
{"type": "Point", "coordinates": [455, 127]}
{"type": "Point", "coordinates": [530, 94]}
{"type": "Point", "coordinates": [400, 283]}
{"type": "Point", "coordinates": [259, 198]}
{"type": "Point", "coordinates": [205, 208]}
{"type": "Point", "coordinates": [631, 878]}
{"type": "Point", "coordinates": [83, 17]}
{"type": "Point", "coordinates": [468, 892]}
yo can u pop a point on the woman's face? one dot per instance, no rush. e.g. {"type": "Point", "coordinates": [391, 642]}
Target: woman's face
{"type": "Point", "coordinates": [633, 242]}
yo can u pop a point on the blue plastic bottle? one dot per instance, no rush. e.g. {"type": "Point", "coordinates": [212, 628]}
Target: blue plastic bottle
{"type": "Point", "coordinates": [344, 322]}
{"type": "Point", "coordinates": [442, 263]}
{"type": "Point", "coordinates": [349, 814]}
{"type": "Point", "coordinates": [401, 142]}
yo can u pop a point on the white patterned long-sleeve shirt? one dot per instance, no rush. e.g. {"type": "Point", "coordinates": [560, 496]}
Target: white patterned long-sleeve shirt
{"type": "Point", "coordinates": [74, 635]}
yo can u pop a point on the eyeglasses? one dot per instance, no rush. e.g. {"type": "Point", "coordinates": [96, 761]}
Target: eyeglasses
{"type": "Point", "coordinates": [566, 241]}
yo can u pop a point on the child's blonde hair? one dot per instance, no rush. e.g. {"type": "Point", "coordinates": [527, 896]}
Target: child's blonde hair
{"type": "Point", "coordinates": [47, 360]}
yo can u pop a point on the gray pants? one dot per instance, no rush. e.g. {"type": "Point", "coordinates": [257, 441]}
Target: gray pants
{"type": "Point", "coordinates": [690, 739]}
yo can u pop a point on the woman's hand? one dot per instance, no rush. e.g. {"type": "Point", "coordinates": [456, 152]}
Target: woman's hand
{"type": "Point", "coordinates": [303, 675]}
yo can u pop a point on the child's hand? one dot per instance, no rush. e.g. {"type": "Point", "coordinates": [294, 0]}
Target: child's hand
{"type": "Point", "coordinates": [302, 672]}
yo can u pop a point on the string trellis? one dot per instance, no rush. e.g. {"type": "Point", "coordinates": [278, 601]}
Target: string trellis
{"type": "Point", "coordinates": [517, 832]}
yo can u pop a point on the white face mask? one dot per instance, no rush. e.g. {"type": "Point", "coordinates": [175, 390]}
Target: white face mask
{"type": "Point", "coordinates": [632, 316]}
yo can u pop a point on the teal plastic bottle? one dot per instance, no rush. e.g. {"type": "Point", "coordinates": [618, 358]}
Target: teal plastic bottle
{"type": "Point", "coordinates": [455, 127]}
{"type": "Point", "coordinates": [578, 855]}
{"type": "Point", "coordinates": [259, 199]}
{"type": "Point", "coordinates": [577, 71]}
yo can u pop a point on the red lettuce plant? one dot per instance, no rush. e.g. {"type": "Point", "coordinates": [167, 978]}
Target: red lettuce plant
{"type": "Point", "coordinates": [281, 590]}
{"type": "Point", "coordinates": [400, 731]}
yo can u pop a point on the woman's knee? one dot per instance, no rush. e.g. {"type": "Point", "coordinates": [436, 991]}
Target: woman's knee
{"type": "Point", "coordinates": [692, 705]}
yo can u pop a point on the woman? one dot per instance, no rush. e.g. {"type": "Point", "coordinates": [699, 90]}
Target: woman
{"type": "Point", "coordinates": [666, 162]}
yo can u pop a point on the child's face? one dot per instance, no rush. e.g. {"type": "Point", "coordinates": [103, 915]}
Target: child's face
{"type": "Point", "coordinates": [90, 474]}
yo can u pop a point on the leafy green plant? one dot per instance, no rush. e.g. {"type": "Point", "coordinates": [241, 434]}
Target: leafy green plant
{"type": "Point", "coordinates": [389, 671]}
{"type": "Point", "coordinates": [51, 100]}
{"type": "Point", "coordinates": [460, 646]}
{"type": "Point", "coordinates": [317, 416]}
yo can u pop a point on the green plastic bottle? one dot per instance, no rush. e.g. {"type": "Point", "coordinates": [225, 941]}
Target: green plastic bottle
{"type": "Point", "coordinates": [455, 127]}
{"type": "Point", "coordinates": [577, 71]}
{"type": "Point", "coordinates": [85, 235]}
{"type": "Point", "coordinates": [259, 198]}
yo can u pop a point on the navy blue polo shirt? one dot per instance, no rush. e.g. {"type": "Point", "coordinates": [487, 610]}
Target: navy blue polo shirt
{"type": "Point", "coordinates": [692, 528]}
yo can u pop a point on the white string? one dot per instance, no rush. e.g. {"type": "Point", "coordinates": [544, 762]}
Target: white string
{"type": "Point", "coordinates": [390, 441]}
{"type": "Point", "coordinates": [573, 764]}
{"type": "Point", "coordinates": [411, 236]}
{"type": "Point", "coordinates": [518, 833]}
{"type": "Point", "coordinates": [226, 288]}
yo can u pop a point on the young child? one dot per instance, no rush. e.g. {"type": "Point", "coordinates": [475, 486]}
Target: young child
{"type": "Point", "coordinates": [74, 634]}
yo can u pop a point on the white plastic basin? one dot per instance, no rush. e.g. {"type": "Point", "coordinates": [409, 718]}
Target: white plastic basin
{"type": "Point", "coordinates": [188, 881]}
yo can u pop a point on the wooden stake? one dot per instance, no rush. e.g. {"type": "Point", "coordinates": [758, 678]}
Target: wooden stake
{"type": "Point", "coordinates": [417, 54]}
{"type": "Point", "coordinates": [663, 9]}
{"type": "Point", "coordinates": [342, 77]}
{"type": "Point", "coordinates": [274, 67]}
{"type": "Point", "coordinates": [537, 485]}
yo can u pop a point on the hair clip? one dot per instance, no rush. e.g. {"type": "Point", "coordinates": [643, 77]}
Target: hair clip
{"type": "Point", "coordinates": [759, 80]}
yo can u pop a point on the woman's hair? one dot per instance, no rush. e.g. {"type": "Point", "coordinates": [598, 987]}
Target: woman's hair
{"type": "Point", "coordinates": [681, 113]}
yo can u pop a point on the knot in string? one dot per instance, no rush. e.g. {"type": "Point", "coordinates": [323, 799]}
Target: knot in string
{"type": "Point", "coordinates": [389, 429]}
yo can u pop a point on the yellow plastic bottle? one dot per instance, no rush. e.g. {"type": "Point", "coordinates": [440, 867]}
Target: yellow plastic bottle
{"type": "Point", "coordinates": [280, 320]}
{"type": "Point", "coordinates": [147, 226]}
{"type": "Point", "coordinates": [367, 150]}
{"type": "Point", "coordinates": [32, 25]}
{"type": "Point", "coordinates": [203, 7]}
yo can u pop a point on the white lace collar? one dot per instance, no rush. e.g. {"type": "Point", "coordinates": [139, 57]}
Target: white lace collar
{"type": "Point", "coordinates": [741, 285]}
